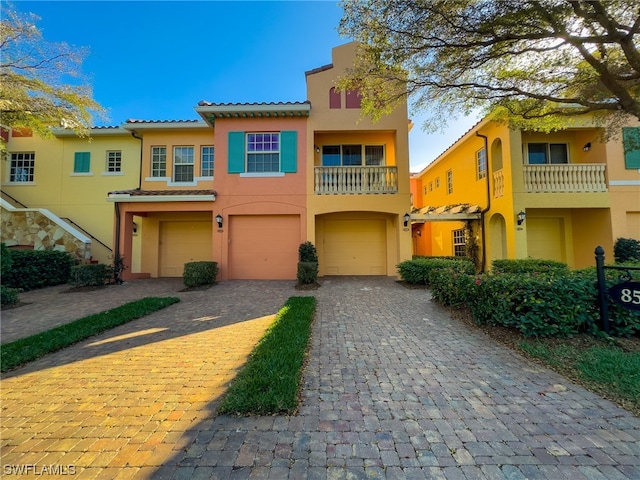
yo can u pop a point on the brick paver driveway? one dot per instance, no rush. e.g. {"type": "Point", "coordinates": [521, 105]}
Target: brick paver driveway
{"type": "Point", "coordinates": [393, 389]}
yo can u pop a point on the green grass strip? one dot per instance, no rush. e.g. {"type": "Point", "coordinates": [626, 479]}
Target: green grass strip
{"type": "Point", "coordinates": [270, 381]}
{"type": "Point", "coordinates": [28, 349]}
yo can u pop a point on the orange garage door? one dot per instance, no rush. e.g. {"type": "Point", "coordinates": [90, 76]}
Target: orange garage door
{"type": "Point", "coordinates": [355, 247]}
{"type": "Point", "coordinates": [182, 242]}
{"type": "Point", "coordinates": [263, 247]}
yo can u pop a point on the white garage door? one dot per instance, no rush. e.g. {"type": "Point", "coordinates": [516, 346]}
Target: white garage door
{"type": "Point", "coordinates": [182, 242]}
{"type": "Point", "coordinates": [263, 247]}
{"type": "Point", "coordinates": [355, 247]}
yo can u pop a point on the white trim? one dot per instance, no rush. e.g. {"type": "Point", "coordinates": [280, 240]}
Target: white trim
{"type": "Point", "coordinates": [624, 183]}
{"type": "Point", "coordinates": [261, 174]}
{"type": "Point", "coordinates": [81, 174]}
{"type": "Point", "coordinates": [125, 197]}
{"type": "Point", "coordinates": [157, 179]}
{"type": "Point", "coordinates": [18, 184]}
{"type": "Point", "coordinates": [112, 174]}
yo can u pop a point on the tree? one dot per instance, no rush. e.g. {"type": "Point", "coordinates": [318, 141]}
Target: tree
{"type": "Point", "coordinates": [35, 92]}
{"type": "Point", "coordinates": [531, 62]}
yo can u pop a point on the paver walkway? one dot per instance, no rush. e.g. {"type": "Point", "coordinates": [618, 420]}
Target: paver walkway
{"type": "Point", "coordinates": [393, 389]}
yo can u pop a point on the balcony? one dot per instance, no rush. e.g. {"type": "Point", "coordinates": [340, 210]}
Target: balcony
{"type": "Point", "coordinates": [353, 180]}
{"type": "Point", "coordinates": [579, 177]}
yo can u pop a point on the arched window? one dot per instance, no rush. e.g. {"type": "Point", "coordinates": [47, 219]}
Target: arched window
{"type": "Point", "coordinates": [334, 98]}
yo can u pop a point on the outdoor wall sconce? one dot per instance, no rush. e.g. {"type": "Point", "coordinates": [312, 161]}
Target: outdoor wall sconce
{"type": "Point", "coordinates": [219, 220]}
{"type": "Point", "coordinates": [406, 217]}
{"type": "Point", "coordinates": [587, 147]}
{"type": "Point", "coordinates": [135, 227]}
{"type": "Point", "coordinates": [419, 233]}
{"type": "Point", "coordinates": [317, 148]}
{"type": "Point", "coordinates": [521, 217]}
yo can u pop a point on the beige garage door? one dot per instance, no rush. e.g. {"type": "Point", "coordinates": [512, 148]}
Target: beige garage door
{"type": "Point", "coordinates": [182, 242]}
{"type": "Point", "coordinates": [263, 247]}
{"type": "Point", "coordinates": [545, 239]}
{"type": "Point", "coordinates": [355, 247]}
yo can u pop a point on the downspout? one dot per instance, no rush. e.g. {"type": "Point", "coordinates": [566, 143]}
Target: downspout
{"type": "Point", "coordinates": [117, 264]}
{"type": "Point", "coordinates": [135, 135]}
{"type": "Point", "coordinates": [488, 207]}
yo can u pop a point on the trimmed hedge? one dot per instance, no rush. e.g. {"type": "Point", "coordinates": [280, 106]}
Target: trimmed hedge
{"type": "Point", "coordinates": [626, 250]}
{"type": "Point", "coordinates": [307, 272]}
{"type": "Point", "coordinates": [528, 265]}
{"type": "Point", "coordinates": [199, 273]}
{"type": "Point", "coordinates": [91, 275]}
{"type": "Point", "coordinates": [538, 305]}
{"type": "Point", "coordinates": [417, 271]}
{"type": "Point", "coordinates": [31, 269]}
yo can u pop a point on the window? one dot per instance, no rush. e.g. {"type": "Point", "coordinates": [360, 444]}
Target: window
{"type": "Point", "coordinates": [437, 182]}
{"type": "Point", "coordinates": [158, 161]}
{"type": "Point", "coordinates": [22, 167]}
{"type": "Point", "coordinates": [431, 186]}
{"type": "Point", "coordinates": [206, 159]}
{"type": "Point", "coordinates": [353, 99]}
{"type": "Point", "coordinates": [82, 162]}
{"type": "Point", "coordinates": [459, 243]}
{"type": "Point", "coordinates": [543, 153]}
{"type": "Point", "coordinates": [481, 164]}
{"type": "Point", "coordinates": [334, 98]}
{"type": "Point", "coordinates": [263, 152]}
{"type": "Point", "coordinates": [352, 155]}
{"type": "Point", "coordinates": [631, 145]}
{"type": "Point", "coordinates": [183, 164]}
{"type": "Point", "coordinates": [114, 161]}
{"type": "Point", "coordinates": [449, 181]}
{"type": "Point", "coordinates": [424, 190]}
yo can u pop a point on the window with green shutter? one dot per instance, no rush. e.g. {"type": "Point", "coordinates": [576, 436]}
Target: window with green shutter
{"type": "Point", "coordinates": [631, 143]}
{"type": "Point", "coordinates": [263, 152]}
{"type": "Point", "coordinates": [82, 162]}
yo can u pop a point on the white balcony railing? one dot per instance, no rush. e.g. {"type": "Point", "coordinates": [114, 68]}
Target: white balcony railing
{"type": "Point", "coordinates": [498, 184]}
{"type": "Point", "coordinates": [578, 177]}
{"type": "Point", "coordinates": [346, 180]}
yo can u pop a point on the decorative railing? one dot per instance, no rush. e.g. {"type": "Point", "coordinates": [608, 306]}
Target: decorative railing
{"type": "Point", "coordinates": [346, 180]}
{"type": "Point", "coordinates": [579, 177]}
{"type": "Point", "coordinates": [498, 184]}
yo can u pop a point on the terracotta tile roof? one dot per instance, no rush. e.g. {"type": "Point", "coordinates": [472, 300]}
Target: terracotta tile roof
{"type": "Point", "coordinates": [154, 193]}
{"type": "Point", "coordinates": [319, 69]}
{"type": "Point", "coordinates": [134, 120]}
{"type": "Point", "coordinates": [203, 103]}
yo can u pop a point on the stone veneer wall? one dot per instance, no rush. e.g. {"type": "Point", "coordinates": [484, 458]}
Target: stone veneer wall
{"type": "Point", "coordinates": [33, 228]}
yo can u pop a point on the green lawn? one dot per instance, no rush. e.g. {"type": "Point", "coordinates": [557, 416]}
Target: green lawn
{"type": "Point", "coordinates": [28, 349]}
{"type": "Point", "coordinates": [270, 381]}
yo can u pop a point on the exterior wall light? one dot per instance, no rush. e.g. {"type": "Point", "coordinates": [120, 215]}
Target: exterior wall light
{"type": "Point", "coordinates": [587, 147]}
{"type": "Point", "coordinates": [219, 220]}
{"type": "Point", "coordinates": [521, 217]}
{"type": "Point", "coordinates": [406, 217]}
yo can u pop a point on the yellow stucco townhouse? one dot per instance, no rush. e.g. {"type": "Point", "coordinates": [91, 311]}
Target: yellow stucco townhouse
{"type": "Point", "coordinates": [521, 194]}
{"type": "Point", "coordinates": [54, 189]}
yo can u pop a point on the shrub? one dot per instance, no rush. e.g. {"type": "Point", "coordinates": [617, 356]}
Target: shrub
{"type": "Point", "coordinates": [307, 272]}
{"type": "Point", "coordinates": [536, 305]}
{"type": "Point", "coordinates": [90, 275]}
{"type": "Point", "coordinates": [5, 259]}
{"type": "Point", "coordinates": [450, 288]}
{"type": "Point", "coordinates": [417, 271]}
{"type": "Point", "coordinates": [307, 252]}
{"type": "Point", "coordinates": [528, 265]}
{"type": "Point", "coordinates": [199, 273]}
{"type": "Point", "coordinates": [626, 250]}
{"type": "Point", "coordinates": [8, 296]}
{"type": "Point", "coordinates": [31, 269]}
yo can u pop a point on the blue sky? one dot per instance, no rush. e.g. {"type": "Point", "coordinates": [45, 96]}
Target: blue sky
{"type": "Point", "coordinates": [155, 60]}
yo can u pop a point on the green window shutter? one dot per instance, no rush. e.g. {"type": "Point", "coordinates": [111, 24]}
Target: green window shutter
{"type": "Point", "coordinates": [631, 143]}
{"type": "Point", "coordinates": [82, 162]}
{"type": "Point", "coordinates": [236, 152]}
{"type": "Point", "coordinates": [288, 151]}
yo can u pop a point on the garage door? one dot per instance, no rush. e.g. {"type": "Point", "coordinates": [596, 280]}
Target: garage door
{"type": "Point", "coordinates": [182, 242]}
{"type": "Point", "coordinates": [263, 247]}
{"type": "Point", "coordinates": [545, 239]}
{"type": "Point", "coordinates": [355, 247]}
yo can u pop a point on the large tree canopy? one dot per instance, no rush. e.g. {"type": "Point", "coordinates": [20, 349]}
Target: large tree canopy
{"type": "Point", "coordinates": [40, 82]}
{"type": "Point", "coordinates": [534, 62]}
